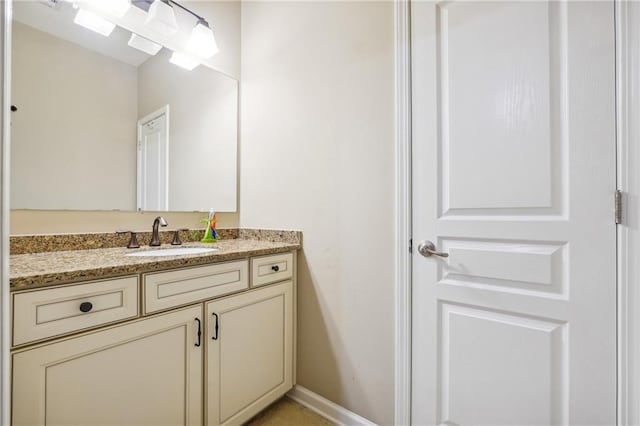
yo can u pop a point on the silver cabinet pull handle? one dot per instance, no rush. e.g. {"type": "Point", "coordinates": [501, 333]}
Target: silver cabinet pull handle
{"type": "Point", "coordinates": [427, 248]}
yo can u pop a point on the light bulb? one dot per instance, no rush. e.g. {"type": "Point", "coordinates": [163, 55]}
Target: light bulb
{"type": "Point", "coordinates": [202, 41]}
{"type": "Point", "coordinates": [184, 61]}
{"type": "Point", "coordinates": [94, 22]}
{"type": "Point", "coordinates": [161, 18]}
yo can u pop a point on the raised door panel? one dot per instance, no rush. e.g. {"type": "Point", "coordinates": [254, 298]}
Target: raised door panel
{"type": "Point", "coordinates": [249, 353]}
{"type": "Point", "coordinates": [479, 346]}
{"type": "Point", "coordinates": [145, 373]}
{"type": "Point", "coordinates": [502, 107]}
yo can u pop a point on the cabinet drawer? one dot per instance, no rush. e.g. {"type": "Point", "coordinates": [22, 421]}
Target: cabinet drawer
{"type": "Point", "coordinates": [269, 269]}
{"type": "Point", "coordinates": [42, 314]}
{"type": "Point", "coordinates": [164, 290]}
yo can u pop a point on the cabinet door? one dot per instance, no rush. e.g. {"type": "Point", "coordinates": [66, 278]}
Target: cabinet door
{"type": "Point", "coordinates": [148, 372]}
{"type": "Point", "coordinates": [250, 356]}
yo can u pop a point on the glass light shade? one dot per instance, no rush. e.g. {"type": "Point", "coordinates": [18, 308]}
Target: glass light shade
{"type": "Point", "coordinates": [117, 7]}
{"type": "Point", "coordinates": [143, 44]}
{"type": "Point", "coordinates": [161, 18]}
{"type": "Point", "coordinates": [184, 61]}
{"type": "Point", "coordinates": [202, 42]}
{"type": "Point", "coordinates": [94, 22]}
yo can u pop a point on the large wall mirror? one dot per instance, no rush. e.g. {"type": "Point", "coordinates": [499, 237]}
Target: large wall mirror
{"type": "Point", "coordinates": [99, 125]}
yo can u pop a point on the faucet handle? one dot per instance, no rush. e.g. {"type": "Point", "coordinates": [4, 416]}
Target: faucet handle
{"type": "Point", "coordinates": [176, 236]}
{"type": "Point", "coordinates": [133, 242]}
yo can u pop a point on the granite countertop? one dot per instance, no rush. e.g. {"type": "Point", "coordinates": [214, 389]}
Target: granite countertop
{"type": "Point", "coordinates": [35, 270]}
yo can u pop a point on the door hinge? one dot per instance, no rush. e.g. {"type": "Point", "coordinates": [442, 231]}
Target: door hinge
{"type": "Point", "coordinates": [410, 245]}
{"type": "Point", "coordinates": [618, 206]}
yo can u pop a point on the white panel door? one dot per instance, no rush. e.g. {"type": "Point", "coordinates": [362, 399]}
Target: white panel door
{"type": "Point", "coordinates": [153, 161]}
{"type": "Point", "coordinates": [513, 177]}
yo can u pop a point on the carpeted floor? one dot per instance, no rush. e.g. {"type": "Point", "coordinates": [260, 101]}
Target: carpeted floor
{"type": "Point", "coordinates": [286, 412]}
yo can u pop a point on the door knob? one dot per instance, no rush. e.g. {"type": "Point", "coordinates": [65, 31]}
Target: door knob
{"type": "Point", "coordinates": [427, 248]}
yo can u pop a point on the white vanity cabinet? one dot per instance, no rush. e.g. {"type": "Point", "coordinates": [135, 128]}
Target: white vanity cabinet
{"type": "Point", "coordinates": [206, 345]}
{"type": "Point", "coordinates": [249, 350]}
{"type": "Point", "coordinates": [143, 373]}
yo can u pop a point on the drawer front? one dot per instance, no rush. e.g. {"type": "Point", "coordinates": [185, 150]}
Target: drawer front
{"type": "Point", "coordinates": [164, 290]}
{"type": "Point", "coordinates": [270, 269]}
{"type": "Point", "coordinates": [42, 314]}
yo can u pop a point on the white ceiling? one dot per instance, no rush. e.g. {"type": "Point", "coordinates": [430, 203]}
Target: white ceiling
{"type": "Point", "coordinates": [58, 21]}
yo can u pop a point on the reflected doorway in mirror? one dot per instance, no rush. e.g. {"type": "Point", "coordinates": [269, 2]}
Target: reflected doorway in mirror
{"type": "Point", "coordinates": [153, 161]}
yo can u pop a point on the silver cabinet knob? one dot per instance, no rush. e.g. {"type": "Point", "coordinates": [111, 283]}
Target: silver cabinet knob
{"type": "Point", "coordinates": [427, 248]}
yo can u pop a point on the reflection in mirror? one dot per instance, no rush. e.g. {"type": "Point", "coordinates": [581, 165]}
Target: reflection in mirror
{"type": "Point", "coordinates": [102, 126]}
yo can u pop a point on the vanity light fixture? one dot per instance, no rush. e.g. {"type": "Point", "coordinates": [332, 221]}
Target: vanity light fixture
{"type": "Point", "coordinates": [162, 18]}
{"type": "Point", "coordinates": [94, 22]}
{"type": "Point", "coordinates": [143, 44]}
{"type": "Point", "coordinates": [117, 7]}
{"type": "Point", "coordinates": [184, 61]}
{"type": "Point", "coordinates": [202, 42]}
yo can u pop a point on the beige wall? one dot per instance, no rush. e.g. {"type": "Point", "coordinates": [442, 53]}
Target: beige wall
{"type": "Point", "coordinates": [203, 131]}
{"type": "Point", "coordinates": [317, 154]}
{"type": "Point", "coordinates": [68, 126]}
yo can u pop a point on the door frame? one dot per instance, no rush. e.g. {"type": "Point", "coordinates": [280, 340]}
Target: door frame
{"type": "Point", "coordinates": [5, 125]}
{"type": "Point", "coordinates": [627, 16]}
{"type": "Point", "coordinates": [403, 195]}
{"type": "Point", "coordinates": [155, 114]}
{"type": "Point", "coordinates": [628, 181]}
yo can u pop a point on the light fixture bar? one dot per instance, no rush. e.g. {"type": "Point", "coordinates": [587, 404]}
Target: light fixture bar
{"type": "Point", "coordinates": [200, 18]}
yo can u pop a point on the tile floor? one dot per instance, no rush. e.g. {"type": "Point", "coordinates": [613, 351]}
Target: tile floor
{"type": "Point", "coordinates": [287, 412]}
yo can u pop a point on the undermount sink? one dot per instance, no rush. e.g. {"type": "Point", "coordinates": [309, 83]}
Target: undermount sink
{"type": "Point", "coordinates": [183, 251]}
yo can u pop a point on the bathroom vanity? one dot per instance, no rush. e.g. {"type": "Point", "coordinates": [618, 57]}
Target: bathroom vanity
{"type": "Point", "coordinates": [100, 337]}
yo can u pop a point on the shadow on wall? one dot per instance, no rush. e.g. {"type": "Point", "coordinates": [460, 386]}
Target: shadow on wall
{"type": "Point", "coordinates": [318, 345]}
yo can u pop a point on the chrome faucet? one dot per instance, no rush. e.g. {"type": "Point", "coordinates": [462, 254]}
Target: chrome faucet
{"type": "Point", "coordinates": [155, 237]}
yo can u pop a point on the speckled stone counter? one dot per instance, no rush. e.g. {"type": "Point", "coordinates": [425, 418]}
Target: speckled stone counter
{"type": "Point", "coordinates": [24, 244]}
{"type": "Point", "coordinates": [35, 270]}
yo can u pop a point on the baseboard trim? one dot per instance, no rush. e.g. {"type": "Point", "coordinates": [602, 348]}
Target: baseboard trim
{"type": "Point", "coordinates": [325, 408]}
